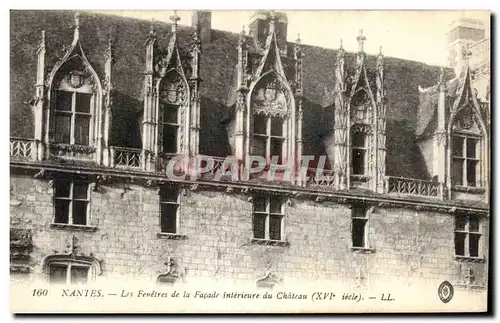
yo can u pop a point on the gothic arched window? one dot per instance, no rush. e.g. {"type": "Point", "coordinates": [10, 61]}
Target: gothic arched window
{"type": "Point", "coordinates": [269, 119]}
{"type": "Point", "coordinates": [172, 96]}
{"type": "Point", "coordinates": [466, 151]}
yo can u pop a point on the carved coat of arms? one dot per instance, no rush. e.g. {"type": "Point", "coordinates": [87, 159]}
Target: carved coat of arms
{"type": "Point", "coordinates": [76, 79]}
{"type": "Point", "coordinates": [173, 92]}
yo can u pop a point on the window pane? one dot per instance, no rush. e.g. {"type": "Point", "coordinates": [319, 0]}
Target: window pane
{"type": "Point", "coordinates": [471, 172]}
{"type": "Point", "coordinates": [79, 275]}
{"type": "Point", "coordinates": [457, 146]}
{"type": "Point", "coordinates": [62, 211]}
{"type": "Point", "coordinates": [82, 128]}
{"type": "Point", "coordinates": [168, 218]}
{"type": "Point", "coordinates": [275, 205]}
{"type": "Point", "coordinates": [276, 126]}
{"type": "Point", "coordinates": [80, 212]}
{"type": "Point", "coordinates": [62, 129]}
{"type": "Point", "coordinates": [474, 245]}
{"type": "Point", "coordinates": [169, 194]}
{"type": "Point", "coordinates": [64, 100]}
{"type": "Point", "coordinates": [62, 188]}
{"type": "Point", "coordinates": [473, 223]}
{"type": "Point", "coordinates": [259, 124]}
{"type": "Point", "coordinates": [170, 139]}
{"type": "Point", "coordinates": [259, 204]}
{"type": "Point", "coordinates": [80, 190]}
{"type": "Point", "coordinates": [275, 227]}
{"type": "Point", "coordinates": [457, 171]}
{"type": "Point", "coordinates": [358, 139]}
{"type": "Point", "coordinates": [259, 226]}
{"type": "Point", "coordinates": [471, 148]}
{"type": "Point", "coordinates": [57, 274]}
{"type": "Point", "coordinates": [358, 161]}
{"type": "Point", "coordinates": [460, 222]}
{"type": "Point", "coordinates": [358, 212]}
{"type": "Point", "coordinates": [170, 113]}
{"type": "Point", "coordinates": [259, 146]}
{"type": "Point", "coordinates": [460, 244]}
{"type": "Point", "coordinates": [277, 149]}
{"type": "Point", "coordinates": [82, 103]}
{"type": "Point", "coordinates": [358, 233]}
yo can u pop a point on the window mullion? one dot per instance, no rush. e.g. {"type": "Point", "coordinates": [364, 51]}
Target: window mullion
{"type": "Point", "coordinates": [73, 117]}
{"type": "Point", "coordinates": [70, 208]}
{"type": "Point", "coordinates": [268, 139]}
{"type": "Point", "coordinates": [266, 225]}
{"type": "Point", "coordinates": [68, 274]}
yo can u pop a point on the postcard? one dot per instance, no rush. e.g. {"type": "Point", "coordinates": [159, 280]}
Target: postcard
{"type": "Point", "coordinates": [262, 161]}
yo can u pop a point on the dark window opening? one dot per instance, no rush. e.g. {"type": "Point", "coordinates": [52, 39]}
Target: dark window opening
{"type": "Point", "coordinates": [467, 236]}
{"type": "Point", "coordinates": [71, 202]}
{"type": "Point", "coordinates": [72, 118]}
{"type": "Point", "coordinates": [359, 223]}
{"type": "Point", "coordinates": [465, 162]}
{"type": "Point", "coordinates": [267, 218]}
{"type": "Point", "coordinates": [169, 205]}
{"type": "Point", "coordinates": [268, 140]}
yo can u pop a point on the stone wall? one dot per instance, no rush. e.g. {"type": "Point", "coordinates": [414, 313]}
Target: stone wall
{"type": "Point", "coordinates": [407, 244]}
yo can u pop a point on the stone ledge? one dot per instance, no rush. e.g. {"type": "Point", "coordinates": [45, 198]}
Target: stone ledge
{"type": "Point", "coordinates": [362, 250]}
{"type": "Point", "coordinates": [469, 259]}
{"type": "Point", "coordinates": [268, 242]}
{"type": "Point", "coordinates": [463, 286]}
{"type": "Point", "coordinates": [468, 189]}
{"type": "Point", "coordinates": [171, 236]}
{"type": "Point", "coordinates": [360, 178]}
{"type": "Point", "coordinates": [74, 227]}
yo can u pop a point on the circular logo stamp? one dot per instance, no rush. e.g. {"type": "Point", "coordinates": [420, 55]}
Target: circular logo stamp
{"type": "Point", "coordinates": [445, 291]}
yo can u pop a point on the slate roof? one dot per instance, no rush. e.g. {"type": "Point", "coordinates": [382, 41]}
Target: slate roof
{"type": "Point", "coordinates": [218, 60]}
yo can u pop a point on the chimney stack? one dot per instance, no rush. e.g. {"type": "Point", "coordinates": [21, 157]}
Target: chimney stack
{"type": "Point", "coordinates": [202, 21]}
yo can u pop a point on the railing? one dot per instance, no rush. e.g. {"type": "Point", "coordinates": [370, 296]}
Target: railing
{"type": "Point", "coordinates": [22, 148]}
{"type": "Point", "coordinates": [410, 186]}
{"type": "Point", "coordinates": [125, 157]}
{"type": "Point", "coordinates": [322, 179]}
{"type": "Point", "coordinates": [212, 164]}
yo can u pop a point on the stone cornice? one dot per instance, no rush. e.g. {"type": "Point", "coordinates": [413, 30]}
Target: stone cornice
{"type": "Point", "coordinates": [244, 188]}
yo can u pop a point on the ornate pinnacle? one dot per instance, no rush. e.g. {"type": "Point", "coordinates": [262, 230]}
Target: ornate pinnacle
{"type": "Point", "coordinates": [441, 75]}
{"type": "Point", "coordinates": [175, 19]}
{"type": "Point", "coordinates": [152, 31]}
{"type": "Point", "coordinates": [242, 36]}
{"type": "Point", "coordinates": [272, 21]}
{"type": "Point", "coordinates": [341, 43]}
{"type": "Point", "coordinates": [77, 25]}
{"type": "Point", "coordinates": [361, 40]}
{"type": "Point", "coordinates": [298, 39]}
{"type": "Point", "coordinates": [380, 51]}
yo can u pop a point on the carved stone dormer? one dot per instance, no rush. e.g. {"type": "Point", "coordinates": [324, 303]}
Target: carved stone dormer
{"type": "Point", "coordinates": [266, 96]}
{"type": "Point", "coordinates": [467, 136]}
{"type": "Point", "coordinates": [453, 136]}
{"type": "Point", "coordinates": [358, 149]}
{"type": "Point", "coordinates": [70, 122]}
{"type": "Point", "coordinates": [171, 100]}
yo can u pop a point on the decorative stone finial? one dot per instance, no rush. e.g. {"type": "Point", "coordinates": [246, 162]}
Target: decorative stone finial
{"type": "Point", "coordinates": [361, 41]}
{"type": "Point", "coordinates": [298, 41]}
{"type": "Point", "coordinates": [175, 19]}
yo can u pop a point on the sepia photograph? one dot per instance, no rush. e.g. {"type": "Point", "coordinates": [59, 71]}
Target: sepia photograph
{"type": "Point", "coordinates": [265, 161]}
